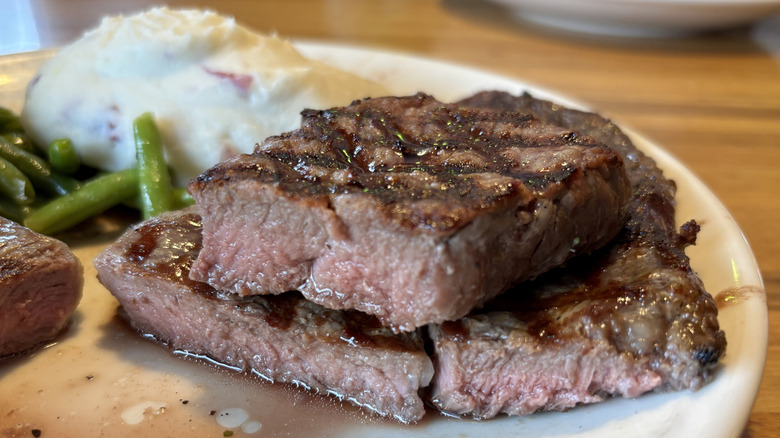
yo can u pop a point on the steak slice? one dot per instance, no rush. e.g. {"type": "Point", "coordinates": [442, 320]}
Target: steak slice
{"type": "Point", "coordinates": [284, 338]}
{"type": "Point", "coordinates": [631, 318]}
{"type": "Point", "coordinates": [40, 287]}
{"type": "Point", "coordinates": [406, 208]}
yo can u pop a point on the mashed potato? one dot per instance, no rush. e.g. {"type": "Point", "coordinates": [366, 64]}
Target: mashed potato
{"type": "Point", "coordinates": [215, 88]}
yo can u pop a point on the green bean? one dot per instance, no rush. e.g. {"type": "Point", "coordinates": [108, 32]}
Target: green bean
{"type": "Point", "coordinates": [63, 156]}
{"type": "Point", "coordinates": [14, 184]}
{"type": "Point", "coordinates": [64, 184]}
{"type": "Point", "coordinates": [154, 180]}
{"type": "Point", "coordinates": [14, 211]}
{"type": "Point", "coordinates": [180, 198]}
{"type": "Point", "coordinates": [96, 196]}
{"type": "Point", "coordinates": [133, 203]}
{"type": "Point", "coordinates": [13, 126]}
{"type": "Point", "coordinates": [20, 140]}
{"type": "Point", "coordinates": [37, 170]}
{"type": "Point", "coordinates": [7, 117]}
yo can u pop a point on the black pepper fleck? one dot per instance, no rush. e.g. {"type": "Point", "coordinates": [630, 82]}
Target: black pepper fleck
{"type": "Point", "coordinates": [36, 433]}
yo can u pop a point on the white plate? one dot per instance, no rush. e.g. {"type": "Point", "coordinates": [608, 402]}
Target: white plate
{"type": "Point", "coordinates": [101, 378]}
{"type": "Point", "coordinates": [642, 17]}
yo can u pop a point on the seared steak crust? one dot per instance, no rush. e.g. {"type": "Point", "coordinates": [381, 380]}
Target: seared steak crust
{"type": "Point", "coordinates": [284, 338]}
{"type": "Point", "coordinates": [633, 317]}
{"type": "Point", "coordinates": [406, 208]}
{"type": "Point", "coordinates": [40, 287]}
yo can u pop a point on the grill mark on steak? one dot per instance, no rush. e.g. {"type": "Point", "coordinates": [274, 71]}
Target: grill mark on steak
{"type": "Point", "coordinates": [399, 206]}
{"type": "Point", "coordinates": [284, 338]}
{"type": "Point", "coordinates": [632, 317]}
{"type": "Point", "coordinates": [452, 150]}
{"type": "Point", "coordinates": [40, 287]}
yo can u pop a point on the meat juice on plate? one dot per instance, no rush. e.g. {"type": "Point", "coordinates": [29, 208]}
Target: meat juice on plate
{"type": "Point", "coordinates": [102, 378]}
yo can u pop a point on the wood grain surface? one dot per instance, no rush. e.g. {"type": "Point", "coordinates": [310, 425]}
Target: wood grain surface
{"type": "Point", "coordinates": [712, 100]}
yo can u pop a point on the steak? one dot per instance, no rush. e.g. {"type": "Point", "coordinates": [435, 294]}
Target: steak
{"type": "Point", "coordinates": [632, 317]}
{"type": "Point", "coordinates": [407, 208]}
{"type": "Point", "coordinates": [40, 287]}
{"type": "Point", "coordinates": [283, 338]}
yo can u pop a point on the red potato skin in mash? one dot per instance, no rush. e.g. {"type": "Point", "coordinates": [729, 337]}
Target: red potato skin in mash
{"type": "Point", "coordinates": [215, 88]}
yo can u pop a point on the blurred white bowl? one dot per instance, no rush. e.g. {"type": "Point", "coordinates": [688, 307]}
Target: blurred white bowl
{"type": "Point", "coordinates": [643, 17]}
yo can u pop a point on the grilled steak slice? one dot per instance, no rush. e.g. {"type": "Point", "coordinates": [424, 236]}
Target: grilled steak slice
{"type": "Point", "coordinates": [641, 169]}
{"type": "Point", "coordinates": [631, 318]}
{"type": "Point", "coordinates": [40, 287]}
{"type": "Point", "coordinates": [285, 337]}
{"type": "Point", "coordinates": [406, 208]}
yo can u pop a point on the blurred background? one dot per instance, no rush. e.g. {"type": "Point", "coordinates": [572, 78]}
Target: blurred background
{"type": "Point", "coordinates": [710, 95]}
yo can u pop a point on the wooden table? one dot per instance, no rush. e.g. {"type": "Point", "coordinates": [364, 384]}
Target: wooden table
{"type": "Point", "coordinates": [713, 101]}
